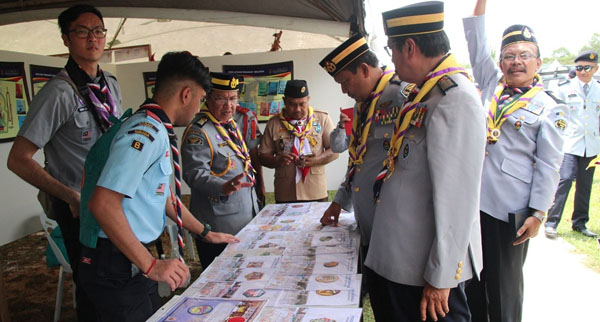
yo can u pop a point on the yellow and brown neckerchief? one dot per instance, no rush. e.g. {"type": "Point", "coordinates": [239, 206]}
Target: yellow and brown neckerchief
{"type": "Point", "coordinates": [240, 150]}
{"type": "Point", "coordinates": [447, 67]}
{"type": "Point", "coordinates": [497, 115]}
{"type": "Point", "coordinates": [301, 135]}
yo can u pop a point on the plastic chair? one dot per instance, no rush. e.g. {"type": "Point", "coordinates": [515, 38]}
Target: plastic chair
{"type": "Point", "coordinates": [48, 225]}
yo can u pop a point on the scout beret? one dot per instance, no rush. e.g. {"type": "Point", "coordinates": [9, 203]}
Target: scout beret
{"type": "Point", "coordinates": [415, 19]}
{"type": "Point", "coordinates": [226, 82]}
{"type": "Point", "coordinates": [588, 55]}
{"type": "Point", "coordinates": [516, 34]}
{"type": "Point", "coordinates": [296, 88]}
{"type": "Point", "coordinates": [344, 54]}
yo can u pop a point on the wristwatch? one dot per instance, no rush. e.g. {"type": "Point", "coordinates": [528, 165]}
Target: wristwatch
{"type": "Point", "coordinates": [538, 216]}
{"type": "Point", "coordinates": [205, 231]}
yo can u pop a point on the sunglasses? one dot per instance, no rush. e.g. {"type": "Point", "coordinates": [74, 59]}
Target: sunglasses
{"type": "Point", "coordinates": [587, 68]}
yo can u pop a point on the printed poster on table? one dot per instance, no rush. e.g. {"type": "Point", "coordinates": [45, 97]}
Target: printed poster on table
{"type": "Point", "coordinates": [264, 86]}
{"type": "Point", "coordinates": [206, 309]}
{"type": "Point", "coordinates": [149, 82]}
{"type": "Point", "coordinates": [40, 75]}
{"type": "Point", "coordinates": [14, 99]}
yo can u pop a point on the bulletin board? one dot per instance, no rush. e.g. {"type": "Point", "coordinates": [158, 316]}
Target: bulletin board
{"type": "Point", "coordinates": [14, 99]}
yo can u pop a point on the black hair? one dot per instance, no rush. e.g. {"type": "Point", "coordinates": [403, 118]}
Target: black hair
{"type": "Point", "coordinates": [176, 66]}
{"type": "Point", "coordinates": [68, 16]}
{"type": "Point", "coordinates": [431, 45]}
{"type": "Point", "coordinates": [368, 58]}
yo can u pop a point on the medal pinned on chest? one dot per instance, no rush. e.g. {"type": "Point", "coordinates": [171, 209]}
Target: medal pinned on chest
{"type": "Point", "coordinates": [419, 115]}
{"type": "Point", "coordinates": [493, 136]}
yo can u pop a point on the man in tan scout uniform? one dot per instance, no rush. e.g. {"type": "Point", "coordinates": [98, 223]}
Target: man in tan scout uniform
{"type": "Point", "coordinates": [296, 145]}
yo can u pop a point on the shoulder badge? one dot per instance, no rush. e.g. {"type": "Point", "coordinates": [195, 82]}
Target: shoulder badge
{"type": "Point", "coordinates": [561, 121]}
{"type": "Point", "coordinates": [446, 83]}
{"type": "Point", "coordinates": [566, 81]}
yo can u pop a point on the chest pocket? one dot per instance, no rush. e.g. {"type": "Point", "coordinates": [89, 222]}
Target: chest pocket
{"type": "Point", "coordinates": [162, 174]}
{"type": "Point", "coordinates": [284, 141]}
{"type": "Point", "coordinates": [383, 131]}
{"type": "Point", "coordinates": [413, 152]}
{"type": "Point", "coordinates": [221, 162]}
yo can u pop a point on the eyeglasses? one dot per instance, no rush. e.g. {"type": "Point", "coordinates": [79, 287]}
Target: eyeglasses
{"type": "Point", "coordinates": [524, 56]}
{"type": "Point", "coordinates": [587, 68]}
{"type": "Point", "coordinates": [222, 100]}
{"type": "Point", "coordinates": [388, 50]}
{"type": "Point", "coordinates": [84, 32]}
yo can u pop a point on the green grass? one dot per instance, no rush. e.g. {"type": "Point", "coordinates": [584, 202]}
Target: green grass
{"type": "Point", "coordinates": [583, 245]}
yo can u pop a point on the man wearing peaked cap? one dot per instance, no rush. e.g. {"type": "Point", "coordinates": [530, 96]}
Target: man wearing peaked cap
{"type": "Point", "coordinates": [296, 145]}
{"type": "Point", "coordinates": [582, 145]}
{"type": "Point", "coordinates": [425, 243]}
{"type": "Point", "coordinates": [379, 96]}
{"type": "Point", "coordinates": [218, 165]}
{"type": "Point", "coordinates": [522, 160]}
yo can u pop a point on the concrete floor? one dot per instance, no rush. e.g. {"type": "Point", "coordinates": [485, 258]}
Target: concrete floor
{"type": "Point", "coordinates": [558, 286]}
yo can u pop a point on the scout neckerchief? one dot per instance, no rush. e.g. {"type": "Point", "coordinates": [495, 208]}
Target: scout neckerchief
{"type": "Point", "coordinates": [98, 95]}
{"type": "Point", "coordinates": [507, 100]}
{"type": "Point", "coordinates": [302, 141]}
{"type": "Point", "coordinates": [233, 137]}
{"type": "Point", "coordinates": [244, 111]}
{"type": "Point", "coordinates": [361, 125]}
{"type": "Point", "coordinates": [408, 117]}
{"type": "Point", "coordinates": [156, 112]}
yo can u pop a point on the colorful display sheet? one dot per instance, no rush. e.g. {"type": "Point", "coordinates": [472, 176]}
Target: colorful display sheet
{"type": "Point", "coordinates": [309, 314]}
{"type": "Point", "coordinates": [206, 309]}
{"type": "Point", "coordinates": [149, 83]}
{"type": "Point", "coordinates": [14, 99]}
{"type": "Point", "coordinates": [40, 75]}
{"type": "Point", "coordinates": [264, 86]}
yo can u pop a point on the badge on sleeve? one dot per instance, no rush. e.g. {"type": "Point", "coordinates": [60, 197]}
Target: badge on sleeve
{"type": "Point", "coordinates": [195, 140]}
{"type": "Point", "coordinates": [137, 145]}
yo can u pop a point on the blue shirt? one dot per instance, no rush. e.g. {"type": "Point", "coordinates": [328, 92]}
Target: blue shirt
{"type": "Point", "coordinates": [139, 167]}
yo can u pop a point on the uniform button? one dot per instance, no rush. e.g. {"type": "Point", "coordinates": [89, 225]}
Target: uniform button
{"type": "Point", "coordinates": [356, 189]}
{"type": "Point", "coordinates": [461, 264]}
{"type": "Point", "coordinates": [357, 169]}
{"type": "Point", "coordinates": [486, 153]}
{"type": "Point", "coordinates": [457, 277]}
{"type": "Point", "coordinates": [459, 270]}
{"type": "Point", "coordinates": [385, 135]}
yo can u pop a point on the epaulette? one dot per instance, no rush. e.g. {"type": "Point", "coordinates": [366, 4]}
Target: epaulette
{"type": "Point", "coordinates": [556, 99]}
{"type": "Point", "coordinates": [407, 89]}
{"type": "Point", "coordinates": [201, 121]}
{"type": "Point", "coordinates": [446, 83]}
{"type": "Point", "coordinates": [242, 109]}
{"type": "Point", "coordinates": [566, 81]}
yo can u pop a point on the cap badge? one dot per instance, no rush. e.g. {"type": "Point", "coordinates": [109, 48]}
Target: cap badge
{"type": "Point", "coordinates": [234, 82]}
{"type": "Point", "coordinates": [592, 56]}
{"type": "Point", "coordinates": [330, 66]}
{"type": "Point", "coordinates": [526, 33]}
{"type": "Point", "coordinates": [303, 89]}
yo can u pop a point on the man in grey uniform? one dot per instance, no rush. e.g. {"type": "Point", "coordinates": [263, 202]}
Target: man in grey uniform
{"type": "Point", "coordinates": [379, 96]}
{"type": "Point", "coordinates": [582, 144]}
{"type": "Point", "coordinates": [523, 157]}
{"type": "Point", "coordinates": [217, 166]}
{"type": "Point", "coordinates": [65, 119]}
{"type": "Point", "coordinates": [425, 243]}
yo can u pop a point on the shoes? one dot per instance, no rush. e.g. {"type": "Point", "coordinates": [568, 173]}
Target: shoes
{"type": "Point", "coordinates": [585, 232]}
{"type": "Point", "coordinates": [551, 232]}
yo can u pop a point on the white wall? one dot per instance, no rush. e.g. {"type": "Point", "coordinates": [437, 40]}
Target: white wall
{"type": "Point", "coordinates": [19, 207]}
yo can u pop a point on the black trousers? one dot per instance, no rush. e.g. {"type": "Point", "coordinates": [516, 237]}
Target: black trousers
{"type": "Point", "coordinates": [573, 168]}
{"type": "Point", "coordinates": [401, 303]}
{"type": "Point", "coordinates": [207, 252]}
{"type": "Point", "coordinates": [119, 292]}
{"type": "Point", "coordinates": [498, 295]}
{"type": "Point", "coordinates": [69, 228]}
